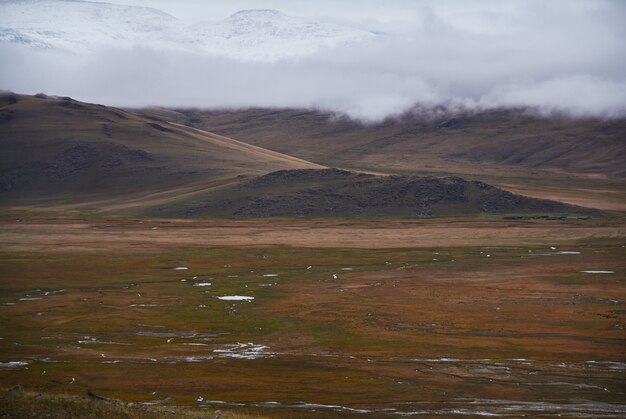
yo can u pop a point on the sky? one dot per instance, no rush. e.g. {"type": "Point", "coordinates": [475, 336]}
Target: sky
{"type": "Point", "coordinates": [566, 56]}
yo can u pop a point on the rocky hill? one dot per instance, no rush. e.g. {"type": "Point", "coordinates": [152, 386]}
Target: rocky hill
{"type": "Point", "coordinates": [334, 192]}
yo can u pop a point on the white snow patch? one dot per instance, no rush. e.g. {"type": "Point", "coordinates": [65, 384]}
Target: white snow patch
{"type": "Point", "coordinates": [235, 298]}
{"type": "Point", "coordinates": [202, 284]}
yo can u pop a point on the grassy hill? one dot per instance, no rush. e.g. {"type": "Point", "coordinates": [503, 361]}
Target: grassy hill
{"type": "Point", "coordinates": [62, 150]}
{"type": "Point", "coordinates": [576, 160]}
{"type": "Point", "coordinates": [58, 151]}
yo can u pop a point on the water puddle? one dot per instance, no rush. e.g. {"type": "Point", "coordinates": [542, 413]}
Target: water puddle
{"type": "Point", "coordinates": [11, 365]}
{"type": "Point", "coordinates": [94, 341]}
{"type": "Point", "coordinates": [453, 407]}
{"type": "Point", "coordinates": [243, 351]}
{"type": "Point", "coordinates": [598, 272]}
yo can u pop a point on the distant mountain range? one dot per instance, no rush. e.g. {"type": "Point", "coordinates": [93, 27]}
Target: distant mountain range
{"type": "Point", "coordinates": [56, 150]}
{"type": "Point", "coordinates": [576, 160]}
{"type": "Point", "coordinates": [78, 26]}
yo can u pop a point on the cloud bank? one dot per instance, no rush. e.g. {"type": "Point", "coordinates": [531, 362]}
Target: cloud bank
{"type": "Point", "coordinates": [563, 56]}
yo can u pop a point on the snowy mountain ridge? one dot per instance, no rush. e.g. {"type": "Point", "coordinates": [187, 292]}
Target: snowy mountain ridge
{"type": "Point", "coordinates": [78, 26]}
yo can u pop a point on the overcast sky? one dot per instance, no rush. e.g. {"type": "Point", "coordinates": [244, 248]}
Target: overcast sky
{"type": "Point", "coordinates": [563, 55]}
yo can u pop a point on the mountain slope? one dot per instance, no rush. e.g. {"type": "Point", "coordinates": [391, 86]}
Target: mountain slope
{"type": "Point", "coordinates": [268, 35]}
{"type": "Point", "coordinates": [64, 150]}
{"type": "Point", "coordinates": [58, 151]}
{"type": "Point", "coordinates": [509, 137]}
{"type": "Point", "coordinates": [76, 26]}
{"type": "Point", "coordinates": [578, 160]}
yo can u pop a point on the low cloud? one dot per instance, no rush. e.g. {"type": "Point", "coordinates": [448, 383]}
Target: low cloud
{"type": "Point", "coordinates": [565, 56]}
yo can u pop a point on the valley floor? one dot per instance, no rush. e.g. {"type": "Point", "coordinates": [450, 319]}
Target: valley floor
{"type": "Point", "coordinates": [318, 317]}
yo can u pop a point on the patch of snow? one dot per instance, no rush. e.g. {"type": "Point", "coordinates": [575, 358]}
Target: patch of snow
{"type": "Point", "coordinates": [181, 268]}
{"type": "Point", "coordinates": [202, 284]}
{"type": "Point", "coordinates": [235, 298]}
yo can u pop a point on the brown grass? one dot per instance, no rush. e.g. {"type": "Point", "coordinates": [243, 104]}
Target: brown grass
{"type": "Point", "coordinates": [153, 235]}
{"type": "Point", "coordinates": [18, 404]}
{"type": "Point", "coordinates": [521, 324]}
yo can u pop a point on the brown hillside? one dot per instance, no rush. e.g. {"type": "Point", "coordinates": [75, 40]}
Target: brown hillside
{"type": "Point", "coordinates": [509, 137]}
{"type": "Point", "coordinates": [580, 161]}
{"type": "Point", "coordinates": [64, 150]}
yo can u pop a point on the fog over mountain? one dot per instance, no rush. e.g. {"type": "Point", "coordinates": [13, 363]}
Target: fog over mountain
{"type": "Point", "coordinates": [356, 58]}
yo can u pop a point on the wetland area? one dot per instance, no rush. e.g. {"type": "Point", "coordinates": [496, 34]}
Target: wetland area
{"type": "Point", "coordinates": [319, 317]}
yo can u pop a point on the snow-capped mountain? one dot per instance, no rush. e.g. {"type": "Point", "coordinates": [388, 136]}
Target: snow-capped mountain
{"type": "Point", "coordinates": [269, 35]}
{"type": "Point", "coordinates": [75, 25]}
{"type": "Point", "coordinates": [78, 26]}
